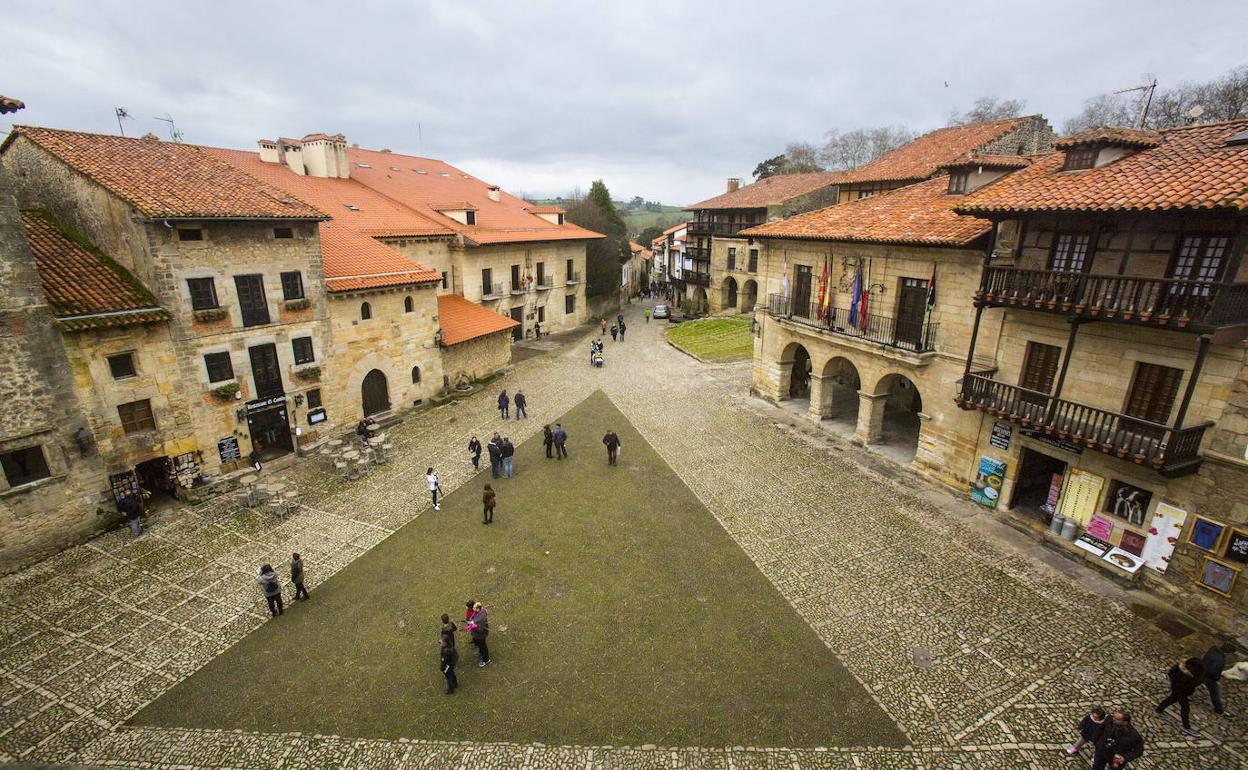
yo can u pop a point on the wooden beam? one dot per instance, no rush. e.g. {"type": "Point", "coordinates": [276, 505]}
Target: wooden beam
{"type": "Point", "coordinates": [1201, 352]}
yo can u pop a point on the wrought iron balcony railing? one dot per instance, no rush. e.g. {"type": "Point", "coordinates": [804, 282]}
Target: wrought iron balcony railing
{"type": "Point", "coordinates": [918, 335]}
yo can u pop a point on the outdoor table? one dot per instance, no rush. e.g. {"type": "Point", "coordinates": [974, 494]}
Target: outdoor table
{"type": "Point", "coordinates": [351, 454]}
{"type": "Point", "coordinates": [334, 442]}
{"type": "Point", "coordinates": [361, 467]}
{"type": "Point", "coordinates": [248, 483]}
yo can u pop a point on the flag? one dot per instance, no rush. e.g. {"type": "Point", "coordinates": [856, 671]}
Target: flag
{"type": "Point", "coordinates": [823, 292]}
{"type": "Point", "coordinates": [864, 306]}
{"type": "Point", "coordinates": [931, 290]}
{"type": "Point", "coordinates": [855, 300]}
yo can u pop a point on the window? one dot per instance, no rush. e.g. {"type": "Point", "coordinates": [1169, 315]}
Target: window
{"type": "Point", "coordinates": [1039, 370]}
{"type": "Point", "coordinates": [541, 273]}
{"type": "Point", "coordinates": [190, 234]}
{"type": "Point", "coordinates": [266, 371]}
{"type": "Point", "coordinates": [515, 278]}
{"type": "Point", "coordinates": [1200, 258]}
{"type": "Point", "coordinates": [219, 367]}
{"type": "Point", "coordinates": [560, 218]}
{"type": "Point", "coordinates": [569, 304]}
{"type": "Point", "coordinates": [303, 350]}
{"type": "Point", "coordinates": [121, 365]}
{"type": "Point", "coordinates": [292, 285]}
{"type": "Point", "coordinates": [570, 269]}
{"type": "Point", "coordinates": [408, 305]}
{"type": "Point", "coordinates": [136, 416]}
{"type": "Point", "coordinates": [444, 283]}
{"type": "Point", "coordinates": [732, 257]}
{"type": "Point", "coordinates": [1152, 393]}
{"type": "Point", "coordinates": [470, 217]}
{"type": "Point", "coordinates": [283, 232]}
{"type": "Point", "coordinates": [541, 314]}
{"type": "Point", "coordinates": [957, 183]}
{"type": "Point", "coordinates": [1080, 157]}
{"type": "Point", "coordinates": [487, 281]}
{"type": "Point", "coordinates": [203, 293]}
{"type": "Point", "coordinates": [251, 299]}
{"type": "Point", "coordinates": [314, 398]}
{"type": "Point", "coordinates": [415, 375]}
{"type": "Point", "coordinates": [1070, 252]}
{"type": "Point", "coordinates": [22, 466]}
{"type": "Point", "coordinates": [366, 311]}
{"type": "Point", "coordinates": [865, 194]}
{"type": "Point", "coordinates": [753, 260]}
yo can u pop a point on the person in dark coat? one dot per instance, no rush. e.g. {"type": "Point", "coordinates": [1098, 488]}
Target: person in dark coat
{"type": "Point", "coordinates": [615, 330]}
{"type": "Point", "coordinates": [448, 659]}
{"type": "Point", "coordinates": [1212, 665]}
{"type": "Point", "coordinates": [1089, 730]}
{"type": "Point", "coordinates": [548, 441]}
{"type": "Point", "coordinates": [623, 326]}
{"type": "Point", "coordinates": [448, 630]}
{"type": "Point", "coordinates": [561, 440]}
{"type": "Point", "coordinates": [271, 586]}
{"type": "Point", "coordinates": [488, 499]}
{"type": "Point", "coordinates": [619, 319]}
{"type": "Point", "coordinates": [479, 629]}
{"type": "Point", "coordinates": [503, 403]}
{"type": "Point", "coordinates": [133, 509]}
{"type": "Point", "coordinates": [474, 449]}
{"type": "Point", "coordinates": [1183, 682]}
{"type": "Point", "coordinates": [296, 576]}
{"type": "Point", "coordinates": [612, 443]}
{"type": "Point", "coordinates": [1119, 743]}
{"type": "Point", "coordinates": [521, 402]}
{"type": "Point", "coordinates": [508, 452]}
{"type": "Point", "coordinates": [495, 448]}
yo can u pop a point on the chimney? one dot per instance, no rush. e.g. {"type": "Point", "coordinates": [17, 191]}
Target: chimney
{"type": "Point", "coordinates": [734, 184]}
{"type": "Point", "coordinates": [494, 193]}
{"type": "Point", "coordinates": [268, 151]}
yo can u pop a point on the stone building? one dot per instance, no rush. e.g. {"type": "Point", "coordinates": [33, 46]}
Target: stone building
{"type": "Point", "coordinates": [669, 258]}
{"type": "Point", "coordinates": [1107, 379]}
{"type": "Point", "coordinates": [635, 273]}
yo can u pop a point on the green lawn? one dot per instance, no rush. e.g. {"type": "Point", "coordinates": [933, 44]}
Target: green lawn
{"type": "Point", "coordinates": [714, 339]}
{"type": "Point", "coordinates": [621, 611]}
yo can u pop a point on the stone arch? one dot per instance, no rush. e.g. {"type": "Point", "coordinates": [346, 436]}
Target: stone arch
{"type": "Point", "coordinates": [749, 296]}
{"type": "Point", "coordinates": [699, 300]}
{"type": "Point", "coordinates": [366, 311]}
{"type": "Point", "coordinates": [408, 304]}
{"type": "Point", "coordinates": [730, 293]}
{"type": "Point", "coordinates": [839, 399]}
{"type": "Point", "coordinates": [374, 393]}
{"type": "Point", "coordinates": [890, 415]}
{"type": "Point", "coordinates": [795, 370]}
{"type": "Point", "coordinates": [415, 375]}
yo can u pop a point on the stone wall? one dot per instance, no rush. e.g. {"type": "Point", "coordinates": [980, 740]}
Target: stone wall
{"type": "Point", "coordinates": [554, 256]}
{"type": "Point", "coordinates": [435, 254]}
{"type": "Point", "coordinates": [477, 358]}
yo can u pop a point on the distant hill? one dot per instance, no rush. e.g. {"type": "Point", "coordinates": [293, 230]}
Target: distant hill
{"type": "Point", "coordinates": [638, 214]}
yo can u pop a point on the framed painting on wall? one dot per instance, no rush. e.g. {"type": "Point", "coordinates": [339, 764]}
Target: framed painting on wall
{"type": "Point", "coordinates": [1218, 576]}
{"type": "Point", "coordinates": [1237, 546]}
{"type": "Point", "coordinates": [1206, 534]}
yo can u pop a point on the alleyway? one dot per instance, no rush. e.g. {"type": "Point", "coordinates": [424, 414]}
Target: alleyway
{"type": "Point", "coordinates": [985, 658]}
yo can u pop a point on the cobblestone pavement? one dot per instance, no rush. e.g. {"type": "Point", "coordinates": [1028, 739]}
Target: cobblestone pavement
{"type": "Point", "coordinates": [984, 655]}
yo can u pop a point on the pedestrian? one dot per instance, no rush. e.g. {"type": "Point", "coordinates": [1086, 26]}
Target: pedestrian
{"type": "Point", "coordinates": [561, 440]}
{"type": "Point", "coordinates": [1183, 682]}
{"type": "Point", "coordinates": [1212, 665]}
{"type": "Point", "coordinates": [521, 403]}
{"type": "Point", "coordinates": [495, 448]}
{"type": "Point", "coordinates": [133, 509]}
{"type": "Point", "coordinates": [448, 630]}
{"type": "Point", "coordinates": [615, 330]}
{"type": "Point", "coordinates": [508, 452]}
{"type": "Point", "coordinates": [474, 450]}
{"type": "Point", "coordinates": [479, 629]}
{"type": "Point", "coordinates": [448, 658]}
{"type": "Point", "coordinates": [1119, 743]}
{"type": "Point", "coordinates": [503, 401]}
{"type": "Point", "coordinates": [469, 611]}
{"type": "Point", "coordinates": [623, 326]}
{"type": "Point", "coordinates": [487, 505]}
{"type": "Point", "coordinates": [271, 586]}
{"type": "Point", "coordinates": [612, 443]}
{"type": "Point", "coordinates": [1089, 730]}
{"type": "Point", "coordinates": [434, 488]}
{"type": "Point", "coordinates": [537, 330]}
{"type": "Point", "coordinates": [646, 313]}
{"type": "Point", "coordinates": [619, 319]}
{"type": "Point", "coordinates": [593, 351]}
{"type": "Point", "coordinates": [603, 322]}
{"type": "Point", "coordinates": [548, 441]}
{"type": "Point", "coordinates": [296, 576]}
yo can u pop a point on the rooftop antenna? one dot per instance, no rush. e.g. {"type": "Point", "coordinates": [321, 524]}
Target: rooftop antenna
{"type": "Point", "coordinates": [174, 133]}
{"type": "Point", "coordinates": [121, 113]}
{"type": "Point", "coordinates": [1146, 100]}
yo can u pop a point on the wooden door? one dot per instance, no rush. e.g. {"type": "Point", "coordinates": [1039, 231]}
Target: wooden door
{"type": "Point", "coordinates": [517, 315]}
{"type": "Point", "coordinates": [266, 371]}
{"type": "Point", "coordinates": [911, 312]}
{"type": "Point", "coordinates": [374, 393]}
{"type": "Point", "coordinates": [801, 292]}
{"type": "Point", "coordinates": [251, 300]}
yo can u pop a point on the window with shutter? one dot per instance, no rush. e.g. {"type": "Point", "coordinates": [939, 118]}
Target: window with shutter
{"type": "Point", "coordinates": [1070, 252]}
{"type": "Point", "coordinates": [1153, 390]}
{"type": "Point", "coordinates": [251, 300]}
{"type": "Point", "coordinates": [1039, 370]}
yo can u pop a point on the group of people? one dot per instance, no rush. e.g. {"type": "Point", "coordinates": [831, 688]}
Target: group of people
{"type": "Point", "coordinates": [504, 404]}
{"type": "Point", "coordinates": [1187, 678]}
{"type": "Point", "coordinates": [502, 453]}
{"type": "Point", "coordinates": [477, 624]}
{"type": "Point", "coordinates": [271, 584]}
{"type": "Point", "coordinates": [617, 328]}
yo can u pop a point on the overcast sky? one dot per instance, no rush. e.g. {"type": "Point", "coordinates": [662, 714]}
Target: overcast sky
{"type": "Point", "coordinates": [660, 99]}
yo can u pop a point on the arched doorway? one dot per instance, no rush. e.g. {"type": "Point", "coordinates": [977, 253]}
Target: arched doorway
{"type": "Point", "coordinates": [841, 384]}
{"type": "Point", "coordinates": [375, 394]}
{"type": "Point", "coordinates": [699, 300]}
{"type": "Point", "coordinates": [749, 296]}
{"type": "Point", "coordinates": [795, 373]}
{"type": "Point", "coordinates": [730, 293]}
{"type": "Point", "coordinates": [902, 404]}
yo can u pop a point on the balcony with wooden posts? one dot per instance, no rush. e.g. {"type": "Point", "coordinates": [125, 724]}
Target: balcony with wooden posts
{"type": "Point", "coordinates": [1201, 307]}
{"type": "Point", "coordinates": [722, 229]}
{"type": "Point", "coordinates": [700, 279]}
{"type": "Point", "coordinates": [698, 253]}
{"type": "Point", "coordinates": [913, 336]}
{"type": "Point", "coordinates": [1171, 451]}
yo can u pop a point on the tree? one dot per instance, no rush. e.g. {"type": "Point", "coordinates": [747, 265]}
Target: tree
{"type": "Point", "coordinates": [649, 234]}
{"type": "Point", "coordinates": [770, 167]}
{"type": "Point", "coordinates": [988, 108]}
{"type": "Point", "coordinates": [801, 158]}
{"type": "Point", "coordinates": [603, 256]}
{"type": "Point", "coordinates": [1101, 110]}
{"type": "Point", "coordinates": [637, 202]}
{"type": "Point", "coordinates": [862, 145]}
{"type": "Point", "coordinates": [1223, 98]}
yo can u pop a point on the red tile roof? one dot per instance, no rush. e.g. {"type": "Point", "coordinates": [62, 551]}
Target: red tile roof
{"type": "Point", "coordinates": [925, 156]}
{"type": "Point", "coordinates": [546, 210]}
{"type": "Point", "coordinates": [462, 320]}
{"type": "Point", "coordinates": [771, 191]}
{"type": "Point", "coordinates": [917, 214]}
{"type": "Point", "coordinates": [85, 288]}
{"type": "Point", "coordinates": [990, 161]}
{"type": "Point", "coordinates": [1119, 135]}
{"type": "Point", "coordinates": [165, 180]}
{"type": "Point", "coordinates": [1191, 168]}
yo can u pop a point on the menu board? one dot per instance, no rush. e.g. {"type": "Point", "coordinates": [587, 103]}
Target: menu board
{"type": "Point", "coordinates": [1001, 432]}
{"type": "Point", "coordinates": [228, 449]}
{"type": "Point", "coordinates": [1079, 500]}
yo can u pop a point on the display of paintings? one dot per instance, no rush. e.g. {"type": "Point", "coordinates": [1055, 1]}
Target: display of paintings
{"type": "Point", "coordinates": [1218, 576]}
{"type": "Point", "coordinates": [1206, 534]}
{"type": "Point", "coordinates": [1237, 546]}
{"type": "Point", "coordinates": [1132, 542]}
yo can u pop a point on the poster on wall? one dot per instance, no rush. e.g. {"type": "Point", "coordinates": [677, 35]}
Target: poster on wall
{"type": "Point", "coordinates": [1127, 562]}
{"type": "Point", "coordinates": [987, 487]}
{"type": "Point", "coordinates": [1132, 542]}
{"type": "Point", "coordinates": [1079, 500]}
{"type": "Point", "coordinates": [1001, 432]}
{"type": "Point", "coordinates": [1101, 527]}
{"type": "Point", "coordinates": [1163, 534]}
{"type": "Point", "coordinates": [1055, 491]}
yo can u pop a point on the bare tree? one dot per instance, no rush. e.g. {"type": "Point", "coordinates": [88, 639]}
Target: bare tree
{"type": "Point", "coordinates": [1223, 98]}
{"type": "Point", "coordinates": [862, 145]}
{"type": "Point", "coordinates": [988, 108]}
{"type": "Point", "coordinates": [1101, 110]}
{"type": "Point", "coordinates": [800, 158]}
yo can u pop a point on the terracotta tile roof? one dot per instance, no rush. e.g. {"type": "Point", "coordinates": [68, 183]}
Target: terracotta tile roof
{"type": "Point", "coordinates": [990, 161]}
{"type": "Point", "coordinates": [771, 191]}
{"type": "Point", "coordinates": [546, 210]}
{"type": "Point", "coordinates": [164, 179]}
{"type": "Point", "coordinates": [462, 320]}
{"type": "Point", "coordinates": [658, 242]}
{"type": "Point", "coordinates": [453, 206]}
{"type": "Point", "coordinates": [1191, 168]}
{"type": "Point", "coordinates": [920, 213]}
{"type": "Point", "coordinates": [924, 156]}
{"type": "Point", "coordinates": [1119, 135]}
{"type": "Point", "coordinates": [85, 288]}
{"type": "Point", "coordinates": [674, 228]}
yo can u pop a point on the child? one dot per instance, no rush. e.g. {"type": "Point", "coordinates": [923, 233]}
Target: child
{"type": "Point", "coordinates": [1089, 730]}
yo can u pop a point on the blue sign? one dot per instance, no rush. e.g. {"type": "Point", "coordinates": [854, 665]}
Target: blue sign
{"type": "Point", "coordinates": [987, 487]}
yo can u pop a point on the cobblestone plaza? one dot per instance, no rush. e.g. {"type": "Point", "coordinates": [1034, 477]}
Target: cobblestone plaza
{"type": "Point", "coordinates": [983, 654]}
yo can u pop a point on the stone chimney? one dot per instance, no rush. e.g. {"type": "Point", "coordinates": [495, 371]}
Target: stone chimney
{"type": "Point", "coordinates": [290, 152]}
{"type": "Point", "coordinates": [734, 184]}
{"type": "Point", "coordinates": [494, 193]}
{"type": "Point", "coordinates": [321, 156]}
{"type": "Point", "coordinates": [268, 151]}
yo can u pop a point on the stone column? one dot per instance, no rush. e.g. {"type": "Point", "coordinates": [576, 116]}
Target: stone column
{"type": "Point", "coordinates": [821, 389]}
{"type": "Point", "coordinates": [870, 417]}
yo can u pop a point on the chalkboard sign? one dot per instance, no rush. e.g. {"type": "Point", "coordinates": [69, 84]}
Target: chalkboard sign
{"type": "Point", "coordinates": [1237, 546]}
{"type": "Point", "coordinates": [228, 449]}
{"type": "Point", "coordinates": [1001, 432]}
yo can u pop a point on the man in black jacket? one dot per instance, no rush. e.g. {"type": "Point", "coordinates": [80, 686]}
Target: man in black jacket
{"type": "Point", "coordinates": [1214, 663]}
{"type": "Point", "coordinates": [448, 658]}
{"type": "Point", "coordinates": [612, 443]}
{"type": "Point", "coordinates": [495, 448]}
{"type": "Point", "coordinates": [1183, 682]}
{"type": "Point", "coordinates": [1119, 743]}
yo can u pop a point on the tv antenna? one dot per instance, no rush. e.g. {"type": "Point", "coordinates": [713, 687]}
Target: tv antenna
{"type": "Point", "coordinates": [122, 113]}
{"type": "Point", "coordinates": [174, 133]}
{"type": "Point", "coordinates": [1146, 100]}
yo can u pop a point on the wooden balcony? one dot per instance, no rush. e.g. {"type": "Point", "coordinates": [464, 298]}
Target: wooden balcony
{"type": "Point", "coordinates": [1170, 451]}
{"type": "Point", "coordinates": [918, 336]}
{"type": "Point", "coordinates": [698, 254]}
{"type": "Point", "coordinates": [1200, 307]}
{"type": "Point", "coordinates": [722, 229]}
{"type": "Point", "coordinates": [701, 279]}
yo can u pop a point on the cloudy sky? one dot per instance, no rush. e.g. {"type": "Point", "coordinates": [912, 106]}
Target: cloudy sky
{"type": "Point", "coordinates": [661, 99]}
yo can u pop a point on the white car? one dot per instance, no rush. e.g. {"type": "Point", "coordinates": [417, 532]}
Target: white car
{"type": "Point", "coordinates": [662, 311]}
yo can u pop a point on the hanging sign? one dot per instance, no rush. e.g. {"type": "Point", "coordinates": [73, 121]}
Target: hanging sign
{"type": "Point", "coordinates": [1065, 446]}
{"type": "Point", "coordinates": [1163, 534]}
{"type": "Point", "coordinates": [987, 487]}
{"type": "Point", "coordinates": [315, 416]}
{"type": "Point", "coordinates": [1001, 432]}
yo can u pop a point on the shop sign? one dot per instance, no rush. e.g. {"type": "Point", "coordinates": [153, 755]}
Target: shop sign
{"type": "Point", "coordinates": [987, 487]}
{"type": "Point", "coordinates": [1057, 443]}
{"type": "Point", "coordinates": [228, 449]}
{"type": "Point", "coordinates": [265, 403]}
{"type": "Point", "coordinates": [1101, 527]}
{"type": "Point", "coordinates": [1092, 544]}
{"type": "Point", "coordinates": [1001, 432]}
{"type": "Point", "coordinates": [315, 416]}
{"type": "Point", "coordinates": [1163, 534]}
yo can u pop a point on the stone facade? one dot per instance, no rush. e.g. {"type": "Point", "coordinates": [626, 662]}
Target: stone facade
{"type": "Point", "coordinates": [563, 275]}
{"type": "Point", "coordinates": [476, 358]}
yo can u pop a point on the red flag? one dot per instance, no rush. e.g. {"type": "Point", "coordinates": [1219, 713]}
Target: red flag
{"type": "Point", "coordinates": [864, 304]}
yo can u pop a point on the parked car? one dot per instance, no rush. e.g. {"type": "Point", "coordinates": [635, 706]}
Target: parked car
{"type": "Point", "coordinates": [662, 311]}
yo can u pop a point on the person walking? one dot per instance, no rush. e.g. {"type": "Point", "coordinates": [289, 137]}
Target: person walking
{"type": "Point", "coordinates": [521, 403]}
{"type": "Point", "coordinates": [474, 449]}
{"type": "Point", "coordinates": [469, 611]}
{"type": "Point", "coordinates": [448, 630]}
{"type": "Point", "coordinates": [537, 330]}
{"type": "Point", "coordinates": [495, 448]}
{"type": "Point", "coordinates": [615, 331]}
{"type": "Point", "coordinates": [646, 313]}
{"type": "Point", "coordinates": [1089, 730]}
{"type": "Point", "coordinates": [623, 326]}
{"type": "Point", "coordinates": [603, 322]}
{"type": "Point", "coordinates": [548, 441]}
{"type": "Point", "coordinates": [448, 658]}
{"type": "Point", "coordinates": [487, 504]}
{"type": "Point", "coordinates": [435, 489]}
{"type": "Point", "coordinates": [503, 402]}
{"type": "Point", "coordinates": [133, 509]}
{"type": "Point", "coordinates": [508, 451]}
{"type": "Point", "coordinates": [479, 629]}
{"type": "Point", "coordinates": [1212, 665]}
{"type": "Point", "coordinates": [612, 443]}
{"type": "Point", "coordinates": [561, 441]}
{"type": "Point", "coordinates": [1183, 682]}
{"type": "Point", "coordinates": [271, 586]}
{"type": "Point", "coordinates": [1119, 743]}
{"type": "Point", "coordinates": [296, 576]}
{"type": "Point", "coordinates": [619, 319]}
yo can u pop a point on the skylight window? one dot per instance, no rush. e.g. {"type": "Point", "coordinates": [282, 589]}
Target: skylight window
{"type": "Point", "coordinates": [352, 206]}
{"type": "Point", "coordinates": [363, 165]}
{"type": "Point", "coordinates": [445, 174]}
{"type": "Point", "coordinates": [420, 171]}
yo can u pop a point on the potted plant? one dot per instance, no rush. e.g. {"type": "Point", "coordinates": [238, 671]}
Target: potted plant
{"type": "Point", "coordinates": [208, 315]}
{"type": "Point", "coordinates": [226, 392]}
{"type": "Point", "coordinates": [297, 304]}
{"type": "Point", "coordinates": [309, 374]}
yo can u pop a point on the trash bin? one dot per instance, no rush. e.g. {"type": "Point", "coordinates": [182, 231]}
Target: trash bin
{"type": "Point", "coordinates": [1055, 524]}
{"type": "Point", "coordinates": [1070, 528]}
